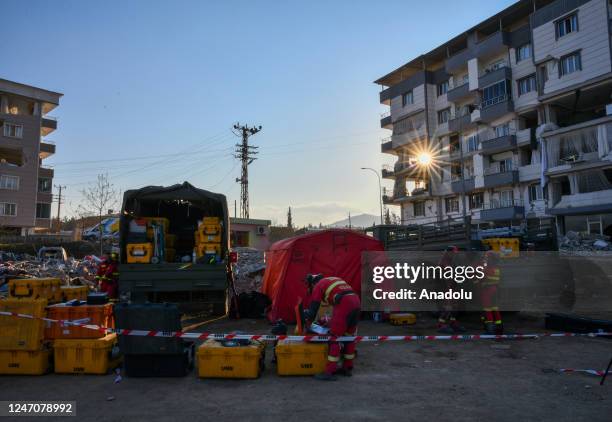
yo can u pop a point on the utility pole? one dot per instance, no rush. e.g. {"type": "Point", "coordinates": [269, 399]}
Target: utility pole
{"type": "Point", "coordinates": [59, 205]}
{"type": "Point", "coordinates": [245, 153]}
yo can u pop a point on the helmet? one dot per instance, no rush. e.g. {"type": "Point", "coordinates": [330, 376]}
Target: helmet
{"type": "Point", "coordinates": [312, 279]}
{"type": "Point", "coordinates": [452, 248]}
{"type": "Point", "coordinates": [114, 256]}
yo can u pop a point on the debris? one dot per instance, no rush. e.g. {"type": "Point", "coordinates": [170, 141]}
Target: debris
{"type": "Point", "coordinates": [249, 269]}
{"type": "Point", "coordinates": [574, 243]}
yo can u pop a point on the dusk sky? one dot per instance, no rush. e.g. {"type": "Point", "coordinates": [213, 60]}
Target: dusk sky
{"type": "Point", "coordinates": [151, 90]}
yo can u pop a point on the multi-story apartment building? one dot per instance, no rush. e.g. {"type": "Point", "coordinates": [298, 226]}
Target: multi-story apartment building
{"type": "Point", "coordinates": [517, 114]}
{"type": "Point", "coordinates": [25, 183]}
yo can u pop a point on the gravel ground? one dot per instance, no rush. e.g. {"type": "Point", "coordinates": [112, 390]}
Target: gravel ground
{"type": "Point", "coordinates": [476, 380]}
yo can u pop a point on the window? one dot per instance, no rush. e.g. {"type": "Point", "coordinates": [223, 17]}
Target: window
{"type": "Point", "coordinates": [567, 25]}
{"type": "Point", "coordinates": [44, 184]}
{"type": "Point", "coordinates": [506, 198]}
{"type": "Point", "coordinates": [476, 200]}
{"type": "Point", "coordinates": [13, 131]}
{"type": "Point", "coordinates": [502, 130]}
{"type": "Point", "coordinates": [505, 165]}
{"type": "Point", "coordinates": [443, 116]}
{"type": "Point", "coordinates": [494, 94]}
{"type": "Point", "coordinates": [407, 98]}
{"type": "Point", "coordinates": [8, 209]}
{"type": "Point", "coordinates": [570, 64]}
{"type": "Point", "coordinates": [451, 204]}
{"type": "Point", "coordinates": [43, 210]}
{"type": "Point", "coordinates": [442, 88]}
{"type": "Point", "coordinates": [9, 182]}
{"type": "Point", "coordinates": [526, 84]}
{"type": "Point", "coordinates": [472, 143]}
{"type": "Point", "coordinates": [419, 209]}
{"type": "Point", "coordinates": [523, 52]}
{"type": "Point", "coordinates": [495, 66]}
{"type": "Point", "coordinates": [535, 192]}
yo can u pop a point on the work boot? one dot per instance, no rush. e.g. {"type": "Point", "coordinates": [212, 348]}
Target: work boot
{"type": "Point", "coordinates": [347, 372]}
{"type": "Point", "coordinates": [499, 329]}
{"type": "Point", "coordinates": [445, 329]}
{"type": "Point", "coordinates": [324, 376]}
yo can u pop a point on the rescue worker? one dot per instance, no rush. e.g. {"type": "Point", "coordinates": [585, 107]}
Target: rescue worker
{"type": "Point", "coordinates": [110, 283]}
{"type": "Point", "coordinates": [101, 271]}
{"type": "Point", "coordinates": [488, 294]}
{"type": "Point", "coordinates": [447, 320]}
{"type": "Point", "coordinates": [345, 315]}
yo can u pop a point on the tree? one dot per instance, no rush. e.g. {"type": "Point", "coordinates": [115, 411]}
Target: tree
{"type": "Point", "coordinates": [289, 219]}
{"type": "Point", "coordinates": [98, 199]}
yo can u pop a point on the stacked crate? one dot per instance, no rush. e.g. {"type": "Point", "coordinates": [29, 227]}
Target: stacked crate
{"type": "Point", "coordinates": [146, 356]}
{"type": "Point", "coordinates": [208, 239]}
{"type": "Point", "coordinates": [23, 349]}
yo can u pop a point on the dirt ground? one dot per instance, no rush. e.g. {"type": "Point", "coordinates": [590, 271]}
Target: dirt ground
{"type": "Point", "coordinates": [441, 380]}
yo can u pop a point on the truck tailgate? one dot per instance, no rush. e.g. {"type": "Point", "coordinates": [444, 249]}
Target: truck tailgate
{"type": "Point", "coordinates": [171, 277]}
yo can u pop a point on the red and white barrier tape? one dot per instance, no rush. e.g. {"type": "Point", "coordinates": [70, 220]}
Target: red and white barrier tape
{"type": "Point", "coordinates": [306, 338]}
{"type": "Point", "coordinates": [586, 371]}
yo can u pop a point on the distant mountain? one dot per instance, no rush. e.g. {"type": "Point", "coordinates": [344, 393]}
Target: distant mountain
{"type": "Point", "coordinates": [361, 220]}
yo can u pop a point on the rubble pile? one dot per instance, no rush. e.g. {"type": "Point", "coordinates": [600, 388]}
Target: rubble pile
{"type": "Point", "coordinates": [248, 271]}
{"type": "Point", "coordinates": [575, 243]}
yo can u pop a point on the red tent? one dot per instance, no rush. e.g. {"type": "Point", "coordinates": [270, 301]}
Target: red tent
{"type": "Point", "coordinates": [334, 252]}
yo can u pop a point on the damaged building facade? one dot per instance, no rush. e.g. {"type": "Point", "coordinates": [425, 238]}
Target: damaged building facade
{"type": "Point", "coordinates": [517, 115]}
{"type": "Point", "coordinates": [25, 182]}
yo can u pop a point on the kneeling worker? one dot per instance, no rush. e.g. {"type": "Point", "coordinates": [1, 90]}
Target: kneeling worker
{"type": "Point", "coordinates": [345, 316]}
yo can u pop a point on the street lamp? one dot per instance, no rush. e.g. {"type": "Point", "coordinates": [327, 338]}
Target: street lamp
{"type": "Point", "coordinates": [379, 191]}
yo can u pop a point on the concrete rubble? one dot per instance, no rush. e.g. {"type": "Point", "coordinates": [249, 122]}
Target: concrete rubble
{"type": "Point", "coordinates": [248, 272]}
{"type": "Point", "coordinates": [574, 243]}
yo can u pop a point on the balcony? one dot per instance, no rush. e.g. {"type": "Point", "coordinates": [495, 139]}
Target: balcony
{"type": "Point", "coordinates": [46, 197]}
{"type": "Point", "coordinates": [387, 172]}
{"type": "Point", "coordinates": [47, 149]}
{"type": "Point", "coordinates": [385, 120]}
{"type": "Point", "coordinates": [386, 144]}
{"type": "Point", "coordinates": [503, 210]}
{"type": "Point", "coordinates": [588, 202]}
{"type": "Point", "coordinates": [502, 143]}
{"type": "Point", "coordinates": [495, 176]}
{"type": "Point", "coordinates": [459, 93]}
{"type": "Point", "coordinates": [43, 223]}
{"type": "Point", "coordinates": [457, 185]}
{"type": "Point", "coordinates": [530, 172]}
{"type": "Point", "coordinates": [493, 76]}
{"type": "Point", "coordinates": [525, 136]}
{"type": "Point", "coordinates": [492, 45]}
{"type": "Point", "coordinates": [422, 191]}
{"type": "Point", "coordinates": [406, 85]}
{"type": "Point", "coordinates": [460, 124]}
{"type": "Point", "coordinates": [458, 60]}
{"type": "Point", "coordinates": [495, 108]}
{"type": "Point", "coordinates": [45, 172]}
{"type": "Point", "coordinates": [47, 125]}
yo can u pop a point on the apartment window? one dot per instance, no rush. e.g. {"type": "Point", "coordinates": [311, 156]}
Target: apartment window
{"type": "Point", "coordinates": [535, 192]}
{"type": "Point", "coordinates": [502, 130]}
{"type": "Point", "coordinates": [495, 66]}
{"type": "Point", "coordinates": [476, 200]}
{"type": "Point", "coordinates": [570, 64]}
{"type": "Point", "coordinates": [451, 204]}
{"type": "Point", "coordinates": [494, 94]}
{"type": "Point", "coordinates": [443, 116]}
{"type": "Point", "coordinates": [472, 143]}
{"type": "Point", "coordinates": [506, 198]}
{"type": "Point", "coordinates": [526, 84]}
{"type": "Point", "coordinates": [407, 98]}
{"type": "Point", "coordinates": [43, 210]}
{"type": "Point", "coordinates": [504, 165]}
{"type": "Point", "coordinates": [9, 182]}
{"type": "Point", "coordinates": [419, 209]}
{"type": "Point", "coordinates": [7, 209]}
{"type": "Point", "coordinates": [13, 131]}
{"type": "Point", "coordinates": [44, 184]}
{"type": "Point", "coordinates": [567, 25]}
{"type": "Point", "coordinates": [523, 52]}
{"type": "Point", "coordinates": [442, 88]}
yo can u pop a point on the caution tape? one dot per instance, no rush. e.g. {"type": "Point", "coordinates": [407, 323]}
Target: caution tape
{"type": "Point", "coordinates": [586, 371]}
{"type": "Point", "coordinates": [305, 338]}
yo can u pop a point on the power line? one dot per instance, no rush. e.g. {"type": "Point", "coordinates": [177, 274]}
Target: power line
{"type": "Point", "coordinates": [245, 153]}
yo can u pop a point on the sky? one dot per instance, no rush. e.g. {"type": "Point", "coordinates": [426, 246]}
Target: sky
{"type": "Point", "coordinates": [152, 89]}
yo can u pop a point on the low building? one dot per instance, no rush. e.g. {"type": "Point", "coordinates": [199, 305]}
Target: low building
{"type": "Point", "coordinates": [25, 182]}
{"type": "Point", "coordinates": [250, 232]}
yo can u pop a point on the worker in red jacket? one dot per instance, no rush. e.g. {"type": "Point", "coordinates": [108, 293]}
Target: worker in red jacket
{"type": "Point", "coordinates": [101, 271]}
{"type": "Point", "coordinates": [488, 294]}
{"type": "Point", "coordinates": [345, 316]}
{"type": "Point", "coordinates": [110, 283]}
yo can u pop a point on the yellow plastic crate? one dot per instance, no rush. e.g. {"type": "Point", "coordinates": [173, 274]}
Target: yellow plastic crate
{"type": "Point", "coordinates": [211, 221]}
{"type": "Point", "coordinates": [22, 333]}
{"type": "Point", "coordinates": [139, 253]}
{"type": "Point", "coordinates": [159, 220]}
{"type": "Point", "coordinates": [36, 288]}
{"type": "Point", "coordinates": [218, 361]}
{"type": "Point", "coordinates": [74, 292]}
{"type": "Point", "coordinates": [25, 362]}
{"type": "Point", "coordinates": [297, 358]}
{"type": "Point", "coordinates": [506, 247]}
{"type": "Point", "coordinates": [87, 356]}
{"type": "Point", "coordinates": [208, 248]}
{"type": "Point", "coordinates": [402, 319]}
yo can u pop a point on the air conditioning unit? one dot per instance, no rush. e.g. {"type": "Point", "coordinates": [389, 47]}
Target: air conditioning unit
{"type": "Point", "coordinates": [261, 230]}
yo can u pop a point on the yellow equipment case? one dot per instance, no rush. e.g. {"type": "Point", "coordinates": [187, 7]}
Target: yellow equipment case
{"type": "Point", "coordinates": [25, 362]}
{"type": "Point", "coordinates": [298, 358]}
{"type": "Point", "coordinates": [139, 253]}
{"type": "Point", "coordinates": [36, 288]}
{"type": "Point", "coordinates": [22, 333]}
{"type": "Point", "coordinates": [218, 361]}
{"type": "Point", "coordinates": [74, 292]}
{"type": "Point", "coordinates": [87, 356]}
{"type": "Point", "coordinates": [402, 319]}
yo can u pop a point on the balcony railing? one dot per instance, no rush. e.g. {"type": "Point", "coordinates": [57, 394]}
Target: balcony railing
{"type": "Point", "coordinates": [502, 203]}
{"type": "Point", "coordinates": [497, 168]}
{"type": "Point", "coordinates": [492, 101]}
{"type": "Point", "coordinates": [385, 114]}
{"type": "Point", "coordinates": [508, 209]}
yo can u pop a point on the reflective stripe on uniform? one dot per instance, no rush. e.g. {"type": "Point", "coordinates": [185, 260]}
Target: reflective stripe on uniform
{"type": "Point", "coordinates": [330, 288]}
{"type": "Point", "coordinates": [351, 356]}
{"type": "Point", "coordinates": [333, 358]}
